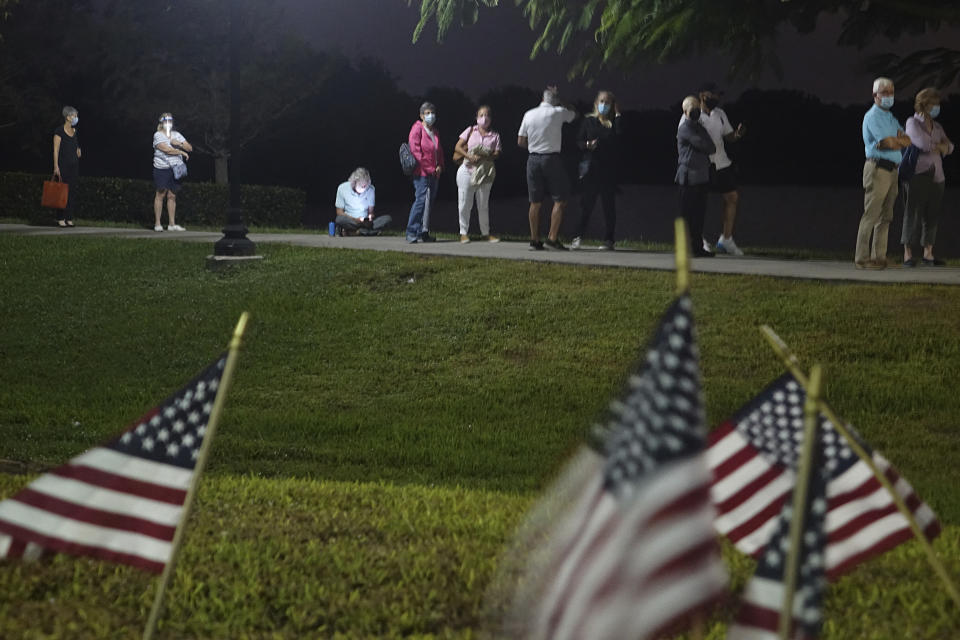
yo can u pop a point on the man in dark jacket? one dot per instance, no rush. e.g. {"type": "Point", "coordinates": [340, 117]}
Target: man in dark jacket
{"type": "Point", "coordinates": [694, 147]}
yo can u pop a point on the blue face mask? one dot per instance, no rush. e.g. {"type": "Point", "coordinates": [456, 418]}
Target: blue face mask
{"type": "Point", "coordinates": [430, 118]}
{"type": "Point", "coordinates": [74, 120]}
{"type": "Point", "coordinates": [935, 111]}
{"type": "Point", "coordinates": [603, 108]}
{"type": "Point", "coordinates": [886, 102]}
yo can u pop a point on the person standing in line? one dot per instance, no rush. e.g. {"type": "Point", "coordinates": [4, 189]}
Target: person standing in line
{"type": "Point", "coordinates": [694, 147]}
{"type": "Point", "coordinates": [723, 173]}
{"type": "Point", "coordinates": [541, 134]}
{"type": "Point", "coordinates": [170, 151]}
{"type": "Point", "coordinates": [66, 161]}
{"type": "Point", "coordinates": [479, 145]}
{"type": "Point", "coordinates": [424, 141]}
{"type": "Point", "coordinates": [883, 139]}
{"type": "Point", "coordinates": [598, 139]}
{"type": "Point", "coordinates": [924, 191]}
{"type": "Point", "coordinates": [354, 204]}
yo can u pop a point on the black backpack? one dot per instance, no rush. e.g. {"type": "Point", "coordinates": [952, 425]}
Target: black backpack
{"type": "Point", "coordinates": [408, 163]}
{"type": "Point", "coordinates": [908, 162]}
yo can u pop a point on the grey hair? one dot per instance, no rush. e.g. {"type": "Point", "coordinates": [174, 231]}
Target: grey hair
{"type": "Point", "coordinates": [427, 106]}
{"type": "Point", "coordinates": [359, 176]}
{"type": "Point", "coordinates": [69, 111]}
{"type": "Point", "coordinates": [690, 101]}
{"type": "Point", "coordinates": [549, 96]}
{"type": "Point", "coordinates": [881, 83]}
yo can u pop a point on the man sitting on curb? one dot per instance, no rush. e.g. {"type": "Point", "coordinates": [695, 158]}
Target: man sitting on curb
{"type": "Point", "coordinates": [355, 201]}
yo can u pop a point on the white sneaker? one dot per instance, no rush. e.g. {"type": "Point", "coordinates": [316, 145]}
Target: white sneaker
{"type": "Point", "coordinates": [706, 246]}
{"type": "Point", "coordinates": [575, 244]}
{"type": "Point", "coordinates": [728, 246]}
{"type": "Point", "coordinates": [175, 227]}
{"type": "Point", "coordinates": [158, 227]}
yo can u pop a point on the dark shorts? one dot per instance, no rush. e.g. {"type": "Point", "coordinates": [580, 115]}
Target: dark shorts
{"type": "Point", "coordinates": [723, 180]}
{"type": "Point", "coordinates": [163, 180]}
{"type": "Point", "coordinates": [546, 174]}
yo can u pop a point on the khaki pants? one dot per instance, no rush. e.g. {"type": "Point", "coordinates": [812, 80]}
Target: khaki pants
{"type": "Point", "coordinates": [879, 195]}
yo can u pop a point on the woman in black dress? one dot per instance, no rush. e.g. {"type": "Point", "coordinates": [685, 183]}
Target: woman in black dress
{"type": "Point", "coordinates": [66, 161]}
{"type": "Point", "coordinates": [598, 139]}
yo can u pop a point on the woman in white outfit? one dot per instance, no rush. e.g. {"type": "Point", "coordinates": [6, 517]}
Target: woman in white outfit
{"type": "Point", "coordinates": [479, 145]}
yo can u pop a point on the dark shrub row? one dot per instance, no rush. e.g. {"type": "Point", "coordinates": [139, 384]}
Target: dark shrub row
{"type": "Point", "coordinates": [125, 200]}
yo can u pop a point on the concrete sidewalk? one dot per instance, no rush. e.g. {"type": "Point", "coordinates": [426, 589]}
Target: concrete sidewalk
{"type": "Point", "coordinates": [799, 269]}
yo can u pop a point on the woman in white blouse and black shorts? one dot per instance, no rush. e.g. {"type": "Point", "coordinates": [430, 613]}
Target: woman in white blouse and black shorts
{"type": "Point", "coordinates": [170, 153]}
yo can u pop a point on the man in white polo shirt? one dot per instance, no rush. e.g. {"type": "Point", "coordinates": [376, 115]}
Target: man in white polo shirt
{"type": "Point", "coordinates": [541, 134]}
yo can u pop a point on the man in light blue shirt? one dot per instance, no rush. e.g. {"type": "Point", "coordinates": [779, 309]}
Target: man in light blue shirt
{"type": "Point", "coordinates": [355, 201]}
{"type": "Point", "coordinates": [883, 138]}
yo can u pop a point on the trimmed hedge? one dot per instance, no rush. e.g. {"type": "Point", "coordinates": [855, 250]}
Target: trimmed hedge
{"type": "Point", "coordinates": [125, 200]}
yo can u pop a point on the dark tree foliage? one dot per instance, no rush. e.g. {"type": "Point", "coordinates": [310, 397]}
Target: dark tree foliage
{"type": "Point", "coordinates": [41, 64]}
{"type": "Point", "coordinates": [621, 34]}
{"type": "Point", "coordinates": [174, 56]}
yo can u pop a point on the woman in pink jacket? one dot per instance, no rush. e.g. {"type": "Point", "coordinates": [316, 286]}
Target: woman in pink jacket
{"type": "Point", "coordinates": [424, 141]}
{"type": "Point", "coordinates": [923, 194]}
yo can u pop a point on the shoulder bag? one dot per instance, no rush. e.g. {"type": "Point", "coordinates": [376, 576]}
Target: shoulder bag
{"type": "Point", "coordinates": [459, 157]}
{"type": "Point", "coordinates": [55, 193]}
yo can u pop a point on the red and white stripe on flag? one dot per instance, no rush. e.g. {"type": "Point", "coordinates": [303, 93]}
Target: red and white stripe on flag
{"type": "Point", "coordinates": [103, 503]}
{"type": "Point", "coordinates": [634, 568]}
{"type": "Point", "coordinates": [862, 519]}
{"type": "Point", "coordinates": [121, 501]}
{"type": "Point", "coordinates": [759, 615]}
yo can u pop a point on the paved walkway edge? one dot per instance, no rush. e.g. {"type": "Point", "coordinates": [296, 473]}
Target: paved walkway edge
{"type": "Point", "coordinates": [823, 270]}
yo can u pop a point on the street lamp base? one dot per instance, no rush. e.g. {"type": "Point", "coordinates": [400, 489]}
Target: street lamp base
{"type": "Point", "coordinates": [234, 241]}
{"type": "Point", "coordinates": [234, 245]}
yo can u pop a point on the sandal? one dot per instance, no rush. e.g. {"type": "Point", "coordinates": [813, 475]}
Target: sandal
{"type": "Point", "coordinates": [933, 262]}
{"type": "Point", "coordinates": [909, 262]}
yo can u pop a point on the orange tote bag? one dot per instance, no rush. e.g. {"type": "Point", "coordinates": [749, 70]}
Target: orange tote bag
{"type": "Point", "coordinates": [54, 194]}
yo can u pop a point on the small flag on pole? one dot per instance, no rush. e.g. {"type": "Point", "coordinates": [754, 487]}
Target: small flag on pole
{"type": "Point", "coordinates": [762, 600]}
{"type": "Point", "coordinates": [623, 545]}
{"type": "Point", "coordinates": [753, 457]}
{"type": "Point", "coordinates": [121, 501]}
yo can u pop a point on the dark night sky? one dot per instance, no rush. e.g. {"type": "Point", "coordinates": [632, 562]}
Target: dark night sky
{"type": "Point", "coordinates": [495, 52]}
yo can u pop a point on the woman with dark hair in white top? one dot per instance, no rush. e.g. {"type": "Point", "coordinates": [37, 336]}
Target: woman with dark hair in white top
{"type": "Point", "coordinates": [170, 151]}
{"type": "Point", "coordinates": [479, 146]}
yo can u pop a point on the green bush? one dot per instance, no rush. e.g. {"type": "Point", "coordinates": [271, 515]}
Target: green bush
{"type": "Point", "coordinates": [125, 200]}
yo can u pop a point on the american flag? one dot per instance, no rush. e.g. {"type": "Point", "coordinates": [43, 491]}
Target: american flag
{"type": "Point", "coordinates": [762, 600]}
{"type": "Point", "coordinates": [121, 501]}
{"type": "Point", "coordinates": [753, 458]}
{"type": "Point", "coordinates": [626, 548]}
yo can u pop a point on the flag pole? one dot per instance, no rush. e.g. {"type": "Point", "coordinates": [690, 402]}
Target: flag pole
{"type": "Point", "coordinates": [215, 412]}
{"type": "Point", "coordinates": [793, 365]}
{"type": "Point", "coordinates": [682, 257]}
{"type": "Point", "coordinates": [682, 251]}
{"type": "Point", "coordinates": [810, 439]}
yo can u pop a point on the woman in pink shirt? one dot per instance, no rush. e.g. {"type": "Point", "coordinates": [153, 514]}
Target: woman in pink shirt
{"type": "Point", "coordinates": [424, 141]}
{"type": "Point", "coordinates": [480, 147]}
{"type": "Point", "coordinates": [923, 194]}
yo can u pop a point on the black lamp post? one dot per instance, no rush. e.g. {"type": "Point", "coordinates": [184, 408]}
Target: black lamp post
{"type": "Point", "coordinates": [234, 241]}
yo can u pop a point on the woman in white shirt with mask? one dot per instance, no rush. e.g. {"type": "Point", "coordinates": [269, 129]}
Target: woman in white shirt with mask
{"type": "Point", "coordinates": [170, 151]}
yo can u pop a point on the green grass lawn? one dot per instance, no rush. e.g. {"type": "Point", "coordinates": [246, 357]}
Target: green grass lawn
{"type": "Point", "coordinates": [393, 415]}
